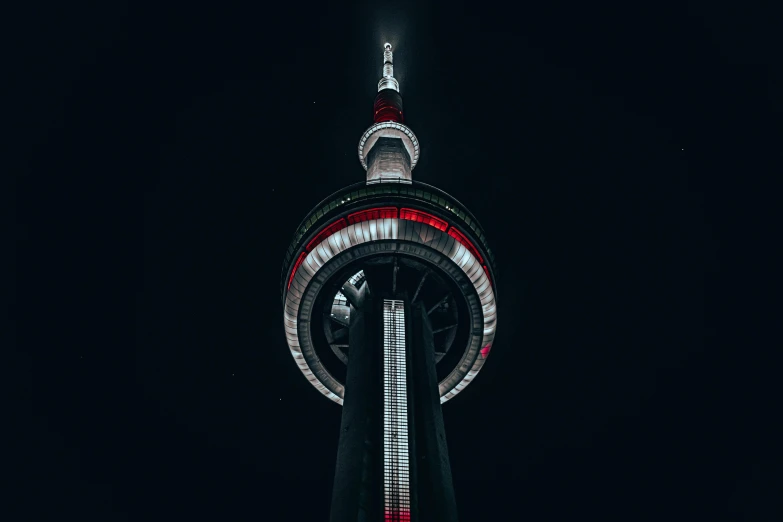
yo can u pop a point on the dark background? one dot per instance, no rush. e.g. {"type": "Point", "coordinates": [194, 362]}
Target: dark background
{"type": "Point", "coordinates": [166, 155]}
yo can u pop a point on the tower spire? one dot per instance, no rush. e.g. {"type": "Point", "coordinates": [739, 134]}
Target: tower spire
{"type": "Point", "coordinates": [388, 102]}
{"type": "Point", "coordinates": [388, 150]}
{"type": "Point", "coordinates": [388, 81]}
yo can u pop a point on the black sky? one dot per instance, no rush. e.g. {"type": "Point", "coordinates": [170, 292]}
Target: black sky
{"type": "Point", "coordinates": [169, 152]}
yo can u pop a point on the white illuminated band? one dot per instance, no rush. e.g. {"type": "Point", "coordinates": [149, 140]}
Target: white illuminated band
{"type": "Point", "coordinates": [385, 230]}
{"type": "Point", "coordinates": [392, 130]}
{"type": "Point", "coordinates": [396, 459]}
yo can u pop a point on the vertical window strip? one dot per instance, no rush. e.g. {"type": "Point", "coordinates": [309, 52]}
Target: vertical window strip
{"type": "Point", "coordinates": [396, 471]}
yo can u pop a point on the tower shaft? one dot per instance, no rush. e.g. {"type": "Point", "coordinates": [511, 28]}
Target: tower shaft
{"type": "Point", "coordinates": [392, 462]}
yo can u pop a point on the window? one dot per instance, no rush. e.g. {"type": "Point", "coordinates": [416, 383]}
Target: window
{"type": "Point", "coordinates": [328, 231]}
{"type": "Point", "coordinates": [372, 213]}
{"type": "Point", "coordinates": [396, 462]}
{"type": "Point", "coordinates": [423, 217]}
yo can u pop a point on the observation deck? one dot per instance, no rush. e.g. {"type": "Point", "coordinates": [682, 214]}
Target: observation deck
{"type": "Point", "coordinates": [398, 236]}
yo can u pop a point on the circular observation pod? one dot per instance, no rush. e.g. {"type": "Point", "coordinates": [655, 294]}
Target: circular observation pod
{"type": "Point", "coordinates": [389, 130]}
{"type": "Point", "coordinates": [401, 238]}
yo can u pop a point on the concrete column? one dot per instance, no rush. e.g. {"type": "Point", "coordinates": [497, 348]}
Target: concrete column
{"type": "Point", "coordinates": [388, 160]}
{"type": "Point", "coordinates": [355, 495]}
{"type": "Point", "coordinates": [434, 486]}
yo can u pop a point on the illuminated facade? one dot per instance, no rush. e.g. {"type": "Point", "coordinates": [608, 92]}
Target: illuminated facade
{"type": "Point", "coordinates": [396, 455]}
{"type": "Point", "coordinates": [390, 311]}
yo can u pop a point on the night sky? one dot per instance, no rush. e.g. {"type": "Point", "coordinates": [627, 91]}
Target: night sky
{"type": "Point", "coordinates": [168, 154]}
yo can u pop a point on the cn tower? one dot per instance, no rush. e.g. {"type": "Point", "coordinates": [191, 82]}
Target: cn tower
{"type": "Point", "coordinates": [390, 311]}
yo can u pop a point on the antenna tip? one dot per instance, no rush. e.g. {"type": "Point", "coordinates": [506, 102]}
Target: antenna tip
{"type": "Point", "coordinates": [387, 46]}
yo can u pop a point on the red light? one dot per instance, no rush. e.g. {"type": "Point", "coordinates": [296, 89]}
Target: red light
{"type": "Point", "coordinates": [388, 106]}
{"type": "Point", "coordinates": [422, 217]}
{"type": "Point", "coordinates": [328, 231]}
{"type": "Point", "coordinates": [296, 267]}
{"type": "Point", "coordinates": [485, 350]}
{"type": "Point", "coordinates": [459, 236]}
{"type": "Point", "coordinates": [486, 271]}
{"type": "Point", "coordinates": [372, 213]}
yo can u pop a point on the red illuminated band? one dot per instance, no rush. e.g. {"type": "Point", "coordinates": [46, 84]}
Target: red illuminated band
{"type": "Point", "coordinates": [423, 217]}
{"type": "Point", "coordinates": [388, 106]}
{"type": "Point", "coordinates": [373, 213]}
{"type": "Point", "coordinates": [385, 213]}
{"type": "Point", "coordinates": [459, 236]}
{"type": "Point", "coordinates": [296, 267]}
{"type": "Point", "coordinates": [486, 271]}
{"type": "Point", "coordinates": [328, 231]}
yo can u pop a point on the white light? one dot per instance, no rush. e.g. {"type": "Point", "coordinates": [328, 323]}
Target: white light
{"type": "Point", "coordinates": [396, 471]}
{"type": "Point", "coordinates": [303, 355]}
{"type": "Point", "coordinates": [388, 81]}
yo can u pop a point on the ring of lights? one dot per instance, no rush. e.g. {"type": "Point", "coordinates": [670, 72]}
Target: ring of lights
{"type": "Point", "coordinates": [331, 273]}
{"type": "Point", "coordinates": [368, 238]}
{"type": "Point", "coordinates": [393, 130]}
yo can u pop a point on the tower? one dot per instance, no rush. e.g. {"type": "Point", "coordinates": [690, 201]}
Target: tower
{"type": "Point", "coordinates": [390, 311]}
